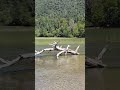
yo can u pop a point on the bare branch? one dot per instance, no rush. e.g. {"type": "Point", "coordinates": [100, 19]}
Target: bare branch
{"type": "Point", "coordinates": [55, 47]}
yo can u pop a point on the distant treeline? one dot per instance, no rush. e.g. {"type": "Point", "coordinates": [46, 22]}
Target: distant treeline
{"type": "Point", "coordinates": [17, 12]}
{"type": "Point", "coordinates": [103, 13]}
{"type": "Point", "coordinates": [60, 18]}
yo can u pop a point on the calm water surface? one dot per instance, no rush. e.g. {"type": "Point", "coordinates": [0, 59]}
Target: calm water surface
{"type": "Point", "coordinates": [66, 73]}
{"type": "Point", "coordinates": [21, 80]}
{"type": "Point", "coordinates": [107, 78]}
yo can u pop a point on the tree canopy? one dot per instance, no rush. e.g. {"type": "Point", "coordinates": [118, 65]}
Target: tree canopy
{"type": "Point", "coordinates": [17, 12]}
{"type": "Point", "coordinates": [103, 13]}
{"type": "Point", "coordinates": [59, 18]}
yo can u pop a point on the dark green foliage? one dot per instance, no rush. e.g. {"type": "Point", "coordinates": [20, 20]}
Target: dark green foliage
{"type": "Point", "coordinates": [59, 18]}
{"type": "Point", "coordinates": [105, 13]}
{"type": "Point", "coordinates": [17, 12]}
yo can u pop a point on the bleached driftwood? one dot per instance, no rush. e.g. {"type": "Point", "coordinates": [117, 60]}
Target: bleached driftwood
{"type": "Point", "coordinates": [56, 47]}
{"type": "Point", "coordinates": [89, 62]}
{"type": "Point", "coordinates": [96, 62]}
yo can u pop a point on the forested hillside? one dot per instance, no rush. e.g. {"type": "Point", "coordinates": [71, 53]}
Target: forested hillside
{"type": "Point", "coordinates": [60, 18]}
{"type": "Point", "coordinates": [103, 13]}
{"type": "Point", "coordinates": [17, 12]}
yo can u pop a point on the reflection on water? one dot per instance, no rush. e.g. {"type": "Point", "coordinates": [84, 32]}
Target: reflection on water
{"type": "Point", "coordinates": [67, 73]}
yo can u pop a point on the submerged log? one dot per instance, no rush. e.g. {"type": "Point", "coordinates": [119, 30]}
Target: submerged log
{"type": "Point", "coordinates": [91, 63]}
{"type": "Point", "coordinates": [7, 63]}
{"type": "Point", "coordinates": [96, 62]}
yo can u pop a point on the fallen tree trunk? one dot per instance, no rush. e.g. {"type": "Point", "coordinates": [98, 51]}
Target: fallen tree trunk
{"type": "Point", "coordinates": [7, 63]}
{"type": "Point", "coordinates": [89, 62]}
{"type": "Point", "coordinates": [56, 47]}
{"type": "Point", "coordinates": [96, 62]}
{"type": "Point", "coordinates": [92, 63]}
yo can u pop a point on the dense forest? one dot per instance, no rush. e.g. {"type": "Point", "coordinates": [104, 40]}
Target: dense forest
{"type": "Point", "coordinates": [60, 18]}
{"type": "Point", "coordinates": [17, 12]}
{"type": "Point", "coordinates": [102, 13]}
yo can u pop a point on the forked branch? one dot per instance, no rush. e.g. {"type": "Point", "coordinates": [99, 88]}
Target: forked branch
{"type": "Point", "coordinates": [56, 47]}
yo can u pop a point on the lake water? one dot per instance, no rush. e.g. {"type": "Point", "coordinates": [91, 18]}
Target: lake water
{"type": "Point", "coordinates": [19, 76]}
{"type": "Point", "coordinates": [102, 79]}
{"type": "Point", "coordinates": [20, 80]}
{"type": "Point", "coordinates": [65, 73]}
{"type": "Point", "coordinates": [107, 78]}
{"type": "Point", "coordinates": [16, 40]}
